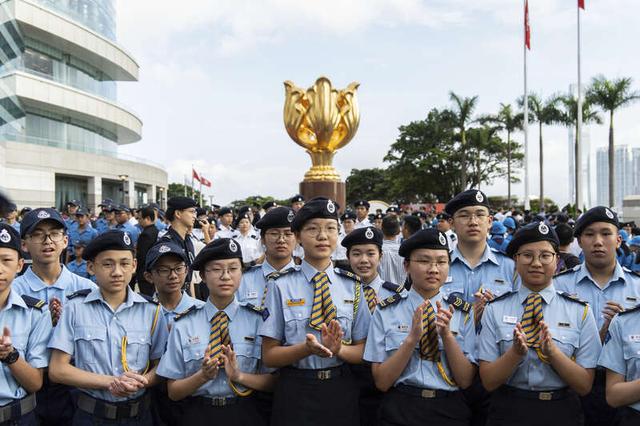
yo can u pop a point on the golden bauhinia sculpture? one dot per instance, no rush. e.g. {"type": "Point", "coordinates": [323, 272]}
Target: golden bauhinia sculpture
{"type": "Point", "coordinates": [322, 120]}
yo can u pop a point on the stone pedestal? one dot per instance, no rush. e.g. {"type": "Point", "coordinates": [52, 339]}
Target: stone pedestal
{"type": "Point", "coordinates": [336, 191]}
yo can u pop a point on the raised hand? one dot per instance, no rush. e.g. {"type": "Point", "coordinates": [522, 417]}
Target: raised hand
{"type": "Point", "coordinates": [316, 348]}
{"type": "Point", "coordinates": [519, 341]}
{"type": "Point", "coordinates": [332, 336]}
{"type": "Point", "coordinates": [547, 345]}
{"type": "Point", "coordinates": [6, 344]}
{"type": "Point", "coordinates": [55, 308]}
{"type": "Point", "coordinates": [443, 319]}
{"type": "Point", "coordinates": [230, 363]}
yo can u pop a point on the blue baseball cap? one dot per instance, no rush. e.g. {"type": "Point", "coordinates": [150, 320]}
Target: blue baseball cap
{"type": "Point", "coordinates": [35, 216]}
{"type": "Point", "coordinates": [163, 249]}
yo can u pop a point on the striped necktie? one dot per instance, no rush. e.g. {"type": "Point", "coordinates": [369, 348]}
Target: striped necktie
{"type": "Point", "coordinates": [429, 338]}
{"type": "Point", "coordinates": [218, 334]}
{"type": "Point", "coordinates": [531, 322]}
{"type": "Point", "coordinates": [370, 296]}
{"type": "Point", "coordinates": [323, 309]}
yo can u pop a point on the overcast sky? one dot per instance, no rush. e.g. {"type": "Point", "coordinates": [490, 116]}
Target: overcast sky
{"type": "Point", "coordinates": [211, 72]}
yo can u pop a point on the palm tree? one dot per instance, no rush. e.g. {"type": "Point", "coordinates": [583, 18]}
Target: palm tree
{"type": "Point", "coordinates": [509, 122]}
{"type": "Point", "coordinates": [464, 110]}
{"type": "Point", "coordinates": [544, 113]}
{"type": "Point", "coordinates": [610, 95]}
{"type": "Point", "coordinates": [569, 117]}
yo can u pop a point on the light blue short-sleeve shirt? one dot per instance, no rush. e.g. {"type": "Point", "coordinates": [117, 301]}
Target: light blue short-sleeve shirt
{"type": "Point", "coordinates": [29, 284]}
{"type": "Point", "coordinates": [255, 281]}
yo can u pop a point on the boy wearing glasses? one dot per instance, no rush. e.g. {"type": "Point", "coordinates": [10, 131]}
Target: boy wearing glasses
{"type": "Point", "coordinates": [606, 286]}
{"type": "Point", "coordinates": [114, 336]}
{"type": "Point", "coordinates": [317, 323]}
{"type": "Point", "coordinates": [43, 237]}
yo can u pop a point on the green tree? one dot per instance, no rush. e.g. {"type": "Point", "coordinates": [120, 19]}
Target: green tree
{"type": "Point", "coordinates": [181, 190]}
{"type": "Point", "coordinates": [463, 109]}
{"type": "Point", "coordinates": [610, 95]}
{"type": "Point", "coordinates": [368, 184]}
{"type": "Point", "coordinates": [490, 154]}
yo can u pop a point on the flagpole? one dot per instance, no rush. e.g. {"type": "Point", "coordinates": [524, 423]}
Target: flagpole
{"type": "Point", "coordinates": [578, 159]}
{"type": "Point", "coordinates": [184, 185]}
{"type": "Point", "coordinates": [192, 169]}
{"type": "Point", "coordinates": [527, 205]}
{"type": "Point", "coordinates": [200, 198]}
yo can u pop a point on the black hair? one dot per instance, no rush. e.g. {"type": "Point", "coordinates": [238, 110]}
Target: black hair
{"type": "Point", "coordinates": [390, 226]}
{"type": "Point", "coordinates": [412, 223]}
{"type": "Point", "coordinates": [565, 233]}
{"type": "Point", "coordinates": [148, 213]}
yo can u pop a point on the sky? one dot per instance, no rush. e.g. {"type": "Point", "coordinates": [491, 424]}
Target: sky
{"type": "Point", "coordinates": [211, 92]}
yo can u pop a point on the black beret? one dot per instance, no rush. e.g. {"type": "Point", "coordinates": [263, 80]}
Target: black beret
{"type": "Point", "coordinates": [223, 248]}
{"type": "Point", "coordinates": [378, 216]}
{"type": "Point", "coordinates": [443, 216]}
{"type": "Point", "coordinates": [225, 210]}
{"type": "Point", "coordinates": [596, 214]}
{"type": "Point", "coordinates": [200, 211]}
{"type": "Point", "coordinates": [318, 207]}
{"type": "Point", "coordinates": [163, 249]}
{"type": "Point", "coordinates": [362, 203]}
{"type": "Point", "coordinates": [392, 209]}
{"type": "Point", "coordinates": [113, 239]}
{"type": "Point", "coordinates": [348, 215]}
{"type": "Point", "coordinates": [181, 203]}
{"type": "Point", "coordinates": [278, 217]}
{"type": "Point", "coordinates": [243, 210]}
{"type": "Point", "coordinates": [420, 214]}
{"type": "Point", "coordinates": [34, 217]}
{"type": "Point", "coordinates": [470, 197]}
{"type": "Point", "coordinates": [368, 235]}
{"type": "Point", "coordinates": [532, 233]}
{"type": "Point", "coordinates": [11, 207]}
{"type": "Point", "coordinates": [269, 204]}
{"type": "Point", "coordinates": [297, 198]}
{"type": "Point", "coordinates": [424, 239]}
{"type": "Point", "coordinates": [4, 204]}
{"type": "Point", "coordinates": [9, 238]}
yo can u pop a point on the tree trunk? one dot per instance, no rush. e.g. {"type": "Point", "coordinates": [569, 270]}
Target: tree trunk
{"type": "Point", "coordinates": [612, 185]}
{"type": "Point", "coordinates": [541, 169]}
{"type": "Point", "coordinates": [509, 169]}
{"type": "Point", "coordinates": [463, 145]}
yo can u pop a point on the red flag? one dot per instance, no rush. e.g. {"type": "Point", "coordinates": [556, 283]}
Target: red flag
{"type": "Point", "coordinates": [581, 4]}
{"type": "Point", "coordinates": [205, 182]}
{"type": "Point", "coordinates": [527, 29]}
{"type": "Point", "coordinates": [194, 175]}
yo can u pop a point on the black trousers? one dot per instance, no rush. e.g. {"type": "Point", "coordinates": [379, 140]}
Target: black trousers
{"type": "Point", "coordinates": [630, 417]}
{"type": "Point", "coordinates": [164, 411]}
{"type": "Point", "coordinates": [506, 409]}
{"type": "Point", "coordinates": [477, 399]}
{"type": "Point", "coordinates": [312, 402]}
{"type": "Point", "coordinates": [369, 397]}
{"type": "Point", "coordinates": [594, 405]}
{"type": "Point", "coordinates": [55, 406]}
{"type": "Point", "coordinates": [241, 413]}
{"type": "Point", "coordinates": [401, 409]}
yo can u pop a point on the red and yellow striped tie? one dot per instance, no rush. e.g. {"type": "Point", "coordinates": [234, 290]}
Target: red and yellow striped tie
{"type": "Point", "coordinates": [323, 309]}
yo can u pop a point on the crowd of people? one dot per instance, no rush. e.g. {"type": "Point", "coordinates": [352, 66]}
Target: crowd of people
{"type": "Point", "coordinates": [315, 314]}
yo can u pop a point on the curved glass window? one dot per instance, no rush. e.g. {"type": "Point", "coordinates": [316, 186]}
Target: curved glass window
{"type": "Point", "coordinates": [97, 15]}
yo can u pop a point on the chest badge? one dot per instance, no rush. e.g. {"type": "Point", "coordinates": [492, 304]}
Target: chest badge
{"type": "Point", "coordinates": [193, 340]}
{"type": "Point", "coordinates": [295, 302]}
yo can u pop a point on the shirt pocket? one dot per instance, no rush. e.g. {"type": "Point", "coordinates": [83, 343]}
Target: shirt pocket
{"type": "Point", "coordinates": [90, 344]}
{"type": "Point", "coordinates": [504, 338]}
{"type": "Point", "coordinates": [567, 340]}
{"type": "Point", "coordinates": [248, 355]}
{"type": "Point", "coordinates": [392, 342]}
{"type": "Point", "coordinates": [193, 355]}
{"type": "Point", "coordinates": [138, 349]}
{"type": "Point", "coordinates": [344, 314]}
{"type": "Point", "coordinates": [295, 322]}
{"type": "Point", "coordinates": [632, 359]}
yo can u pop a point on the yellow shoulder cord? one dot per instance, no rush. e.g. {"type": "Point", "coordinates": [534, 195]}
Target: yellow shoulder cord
{"type": "Point", "coordinates": [542, 356]}
{"type": "Point", "coordinates": [444, 374]}
{"type": "Point", "coordinates": [123, 349]}
{"type": "Point", "coordinates": [356, 305]}
{"type": "Point", "coordinates": [584, 316]}
{"type": "Point", "coordinates": [238, 391]}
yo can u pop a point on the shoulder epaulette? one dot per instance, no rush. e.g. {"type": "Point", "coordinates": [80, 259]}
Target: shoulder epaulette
{"type": "Point", "coordinates": [502, 296]}
{"type": "Point", "coordinates": [636, 273]}
{"type": "Point", "coordinates": [634, 309]}
{"type": "Point", "coordinates": [566, 271]}
{"type": "Point", "coordinates": [347, 274]}
{"type": "Point", "coordinates": [186, 312]}
{"type": "Point", "coordinates": [150, 299]}
{"type": "Point", "coordinates": [32, 302]}
{"type": "Point", "coordinates": [80, 293]}
{"type": "Point", "coordinates": [572, 298]}
{"type": "Point", "coordinates": [459, 303]}
{"type": "Point", "coordinates": [277, 274]}
{"type": "Point", "coordinates": [255, 237]}
{"type": "Point", "coordinates": [263, 312]}
{"type": "Point", "coordinates": [394, 288]}
{"type": "Point", "coordinates": [391, 300]}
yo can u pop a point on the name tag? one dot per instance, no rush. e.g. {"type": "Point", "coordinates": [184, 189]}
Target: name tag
{"type": "Point", "coordinates": [295, 302]}
{"type": "Point", "coordinates": [634, 337]}
{"type": "Point", "coordinates": [631, 298]}
{"type": "Point", "coordinates": [509, 320]}
{"type": "Point", "coordinates": [564, 324]}
{"type": "Point", "coordinates": [499, 281]}
{"type": "Point", "coordinates": [449, 279]}
{"type": "Point", "coordinates": [193, 340]}
{"type": "Point", "coordinates": [403, 328]}
{"type": "Point", "coordinates": [349, 301]}
{"type": "Point", "coordinates": [252, 295]}
{"type": "Point", "coordinates": [249, 338]}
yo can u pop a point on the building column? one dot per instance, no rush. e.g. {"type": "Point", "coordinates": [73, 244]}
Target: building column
{"type": "Point", "coordinates": [130, 195]}
{"type": "Point", "coordinates": [151, 194]}
{"type": "Point", "coordinates": [94, 192]}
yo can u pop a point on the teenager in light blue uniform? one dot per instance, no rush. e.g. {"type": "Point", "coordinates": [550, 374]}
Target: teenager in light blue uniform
{"type": "Point", "coordinates": [537, 347]}
{"type": "Point", "coordinates": [122, 218]}
{"type": "Point", "coordinates": [621, 357]}
{"type": "Point", "coordinates": [606, 286]}
{"type": "Point", "coordinates": [114, 337]}
{"type": "Point", "coordinates": [78, 265]}
{"type": "Point", "coordinates": [312, 351]}
{"type": "Point", "coordinates": [421, 344]}
{"type": "Point", "coordinates": [23, 343]}
{"type": "Point", "coordinates": [212, 360]}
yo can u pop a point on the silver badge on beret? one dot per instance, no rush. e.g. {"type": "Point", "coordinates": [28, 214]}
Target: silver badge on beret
{"type": "Point", "coordinates": [164, 249]}
{"type": "Point", "coordinates": [43, 214]}
{"type": "Point", "coordinates": [5, 237]}
{"type": "Point", "coordinates": [479, 197]}
{"type": "Point", "coordinates": [369, 234]}
{"type": "Point", "coordinates": [290, 216]}
{"type": "Point", "coordinates": [233, 247]}
{"type": "Point", "coordinates": [443, 239]}
{"type": "Point", "coordinates": [543, 228]}
{"type": "Point", "coordinates": [331, 208]}
{"type": "Point", "coordinates": [126, 239]}
{"type": "Point", "coordinates": [609, 213]}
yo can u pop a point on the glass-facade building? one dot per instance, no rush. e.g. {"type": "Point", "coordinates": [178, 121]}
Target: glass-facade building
{"type": "Point", "coordinates": [59, 67]}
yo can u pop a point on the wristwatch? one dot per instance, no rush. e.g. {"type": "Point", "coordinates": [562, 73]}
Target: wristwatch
{"type": "Point", "coordinates": [11, 358]}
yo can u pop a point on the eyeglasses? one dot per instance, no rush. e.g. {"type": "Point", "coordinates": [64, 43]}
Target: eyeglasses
{"type": "Point", "coordinates": [466, 217]}
{"type": "Point", "coordinates": [166, 272]}
{"type": "Point", "coordinates": [545, 257]}
{"type": "Point", "coordinates": [314, 231]}
{"type": "Point", "coordinates": [222, 271]}
{"type": "Point", "coordinates": [275, 236]}
{"type": "Point", "coordinates": [41, 237]}
{"type": "Point", "coordinates": [440, 264]}
{"type": "Point", "coordinates": [111, 266]}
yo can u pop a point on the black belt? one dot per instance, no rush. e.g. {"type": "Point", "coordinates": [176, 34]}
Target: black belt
{"type": "Point", "coordinates": [424, 392]}
{"type": "Point", "coordinates": [550, 395]}
{"type": "Point", "coordinates": [113, 410]}
{"type": "Point", "coordinates": [17, 409]}
{"type": "Point", "coordinates": [214, 401]}
{"type": "Point", "coordinates": [321, 374]}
